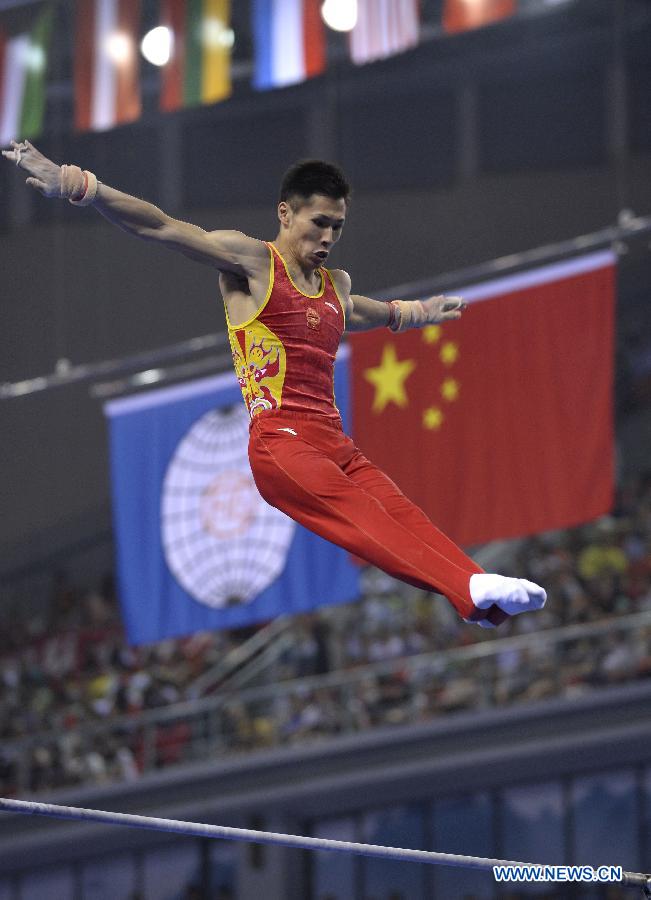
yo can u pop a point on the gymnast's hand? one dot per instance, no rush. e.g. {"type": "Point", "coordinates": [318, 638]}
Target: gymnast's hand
{"type": "Point", "coordinates": [432, 311]}
{"type": "Point", "coordinates": [442, 309]}
{"type": "Point", "coordinates": [45, 175]}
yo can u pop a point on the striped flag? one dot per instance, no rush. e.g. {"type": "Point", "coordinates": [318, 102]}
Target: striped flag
{"type": "Point", "coordinates": [23, 66]}
{"type": "Point", "coordinates": [383, 28]}
{"type": "Point", "coordinates": [106, 77]}
{"type": "Point", "coordinates": [464, 15]}
{"type": "Point", "coordinates": [199, 70]}
{"type": "Point", "coordinates": [289, 37]}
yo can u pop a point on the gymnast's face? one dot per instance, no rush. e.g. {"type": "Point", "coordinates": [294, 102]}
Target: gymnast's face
{"type": "Point", "coordinates": [312, 227]}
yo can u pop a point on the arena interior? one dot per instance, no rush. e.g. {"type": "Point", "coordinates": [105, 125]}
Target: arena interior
{"type": "Point", "coordinates": [502, 139]}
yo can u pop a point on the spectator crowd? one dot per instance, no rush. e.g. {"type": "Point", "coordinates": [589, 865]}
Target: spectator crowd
{"type": "Point", "coordinates": [74, 694]}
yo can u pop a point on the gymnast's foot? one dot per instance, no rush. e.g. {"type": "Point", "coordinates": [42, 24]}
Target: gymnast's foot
{"type": "Point", "coordinates": [511, 595]}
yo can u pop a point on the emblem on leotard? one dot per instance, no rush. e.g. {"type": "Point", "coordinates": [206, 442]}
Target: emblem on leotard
{"type": "Point", "coordinates": [222, 542]}
{"type": "Point", "coordinates": [313, 318]}
{"type": "Point", "coordinates": [259, 360]}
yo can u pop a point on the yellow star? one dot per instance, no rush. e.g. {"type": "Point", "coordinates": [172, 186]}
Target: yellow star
{"type": "Point", "coordinates": [431, 333]}
{"type": "Point", "coordinates": [449, 353]}
{"type": "Point", "coordinates": [389, 379]}
{"type": "Point", "coordinates": [450, 389]}
{"type": "Point", "coordinates": [433, 418]}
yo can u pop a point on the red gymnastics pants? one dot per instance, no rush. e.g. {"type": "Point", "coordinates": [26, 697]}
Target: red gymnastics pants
{"type": "Point", "coordinates": [307, 467]}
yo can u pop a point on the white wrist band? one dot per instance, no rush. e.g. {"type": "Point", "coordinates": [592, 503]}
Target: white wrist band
{"type": "Point", "coordinates": [91, 185]}
{"type": "Point", "coordinates": [80, 188]}
{"type": "Point", "coordinates": [412, 314]}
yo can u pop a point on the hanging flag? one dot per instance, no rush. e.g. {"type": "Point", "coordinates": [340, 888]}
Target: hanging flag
{"type": "Point", "coordinates": [383, 28]}
{"type": "Point", "coordinates": [199, 70]}
{"type": "Point", "coordinates": [501, 424]}
{"type": "Point", "coordinates": [464, 15]}
{"type": "Point", "coordinates": [23, 68]}
{"type": "Point", "coordinates": [107, 67]}
{"type": "Point", "coordinates": [289, 42]}
{"type": "Point", "coordinates": [197, 546]}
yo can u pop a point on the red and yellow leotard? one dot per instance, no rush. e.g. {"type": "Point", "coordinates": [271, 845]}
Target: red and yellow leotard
{"type": "Point", "coordinates": [302, 461]}
{"type": "Point", "coordinates": [284, 355]}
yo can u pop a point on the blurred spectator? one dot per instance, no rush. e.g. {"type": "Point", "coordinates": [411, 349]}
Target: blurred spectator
{"type": "Point", "coordinates": [67, 673]}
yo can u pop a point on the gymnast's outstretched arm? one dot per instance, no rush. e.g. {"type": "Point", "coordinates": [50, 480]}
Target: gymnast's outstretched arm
{"type": "Point", "coordinates": [225, 250]}
{"type": "Point", "coordinates": [399, 315]}
{"type": "Point", "coordinates": [363, 313]}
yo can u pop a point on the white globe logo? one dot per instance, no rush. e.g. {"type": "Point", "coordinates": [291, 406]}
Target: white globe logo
{"type": "Point", "coordinates": [222, 542]}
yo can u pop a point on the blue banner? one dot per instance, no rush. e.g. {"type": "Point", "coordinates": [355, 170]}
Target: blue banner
{"type": "Point", "coordinates": [197, 547]}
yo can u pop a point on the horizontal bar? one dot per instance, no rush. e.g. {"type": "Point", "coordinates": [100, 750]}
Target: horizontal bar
{"type": "Point", "coordinates": [195, 829]}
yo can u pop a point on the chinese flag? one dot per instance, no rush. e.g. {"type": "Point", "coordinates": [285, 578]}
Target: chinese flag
{"type": "Point", "coordinates": [463, 15]}
{"type": "Point", "coordinates": [500, 424]}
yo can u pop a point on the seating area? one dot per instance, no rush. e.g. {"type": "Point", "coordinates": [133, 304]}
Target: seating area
{"type": "Point", "coordinates": [76, 695]}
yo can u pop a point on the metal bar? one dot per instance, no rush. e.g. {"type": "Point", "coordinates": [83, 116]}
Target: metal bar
{"type": "Point", "coordinates": [148, 360]}
{"type": "Point", "coordinates": [243, 834]}
{"type": "Point", "coordinates": [158, 376]}
{"type": "Point", "coordinates": [516, 262]}
{"type": "Point", "coordinates": [195, 829]}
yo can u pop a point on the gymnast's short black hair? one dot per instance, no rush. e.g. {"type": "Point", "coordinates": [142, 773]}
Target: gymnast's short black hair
{"type": "Point", "coordinates": [313, 176]}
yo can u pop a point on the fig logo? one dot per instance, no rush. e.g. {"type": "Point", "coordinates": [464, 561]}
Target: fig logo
{"type": "Point", "coordinates": [222, 542]}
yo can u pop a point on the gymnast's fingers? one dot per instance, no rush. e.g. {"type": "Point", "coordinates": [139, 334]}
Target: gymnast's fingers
{"type": "Point", "coordinates": [36, 183]}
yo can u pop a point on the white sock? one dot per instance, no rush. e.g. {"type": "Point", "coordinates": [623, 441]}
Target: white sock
{"type": "Point", "coordinates": [513, 595]}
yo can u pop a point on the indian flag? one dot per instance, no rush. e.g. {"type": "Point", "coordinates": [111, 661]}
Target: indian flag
{"type": "Point", "coordinates": [23, 65]}
{"type": "Point", "coordinates": [290, 43]}
{"type": "Point", "coordinates": [199, 69]}
{"type": "Point", "coordinates": [106, 76]}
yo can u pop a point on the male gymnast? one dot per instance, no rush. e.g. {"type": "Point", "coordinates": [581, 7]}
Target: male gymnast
{"type": "Point", "coordinates": [286, 313]}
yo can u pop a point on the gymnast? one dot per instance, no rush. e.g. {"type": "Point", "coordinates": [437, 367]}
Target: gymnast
{"type": "Point", "coordinates": [286, 313]}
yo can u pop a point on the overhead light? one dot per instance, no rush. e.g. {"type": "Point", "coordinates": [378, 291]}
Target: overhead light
{"type": "Point", "coordinates": [156, 46]}
{"type": "Point", "coordinates": [216, 35]}
{"type": "Point", "coordinates": [34, 57]}
{"type": "Point", "coordinates": [151, 376]}
{"type": "Point", "coordinates": [340, 15]}
{"type": "Point", "coordinates": [119, 47]}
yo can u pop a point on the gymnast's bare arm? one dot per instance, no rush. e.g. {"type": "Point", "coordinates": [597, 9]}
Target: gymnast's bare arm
{"type": "Point", "coordinates": [363, 313]}
{"type": "Point", "coordinates": [229, 251]}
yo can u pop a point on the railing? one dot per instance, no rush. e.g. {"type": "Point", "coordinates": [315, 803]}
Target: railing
{"type": "Point", "coordinates": [245, 660]}
{"type": "Point", "coordinates": [493, 672]}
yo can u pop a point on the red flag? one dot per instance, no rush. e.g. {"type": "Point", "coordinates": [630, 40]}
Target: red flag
{"type": "Point", "coordinates": [463, 15]}
{"type": "Point", "coordinates": [500, 424]}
